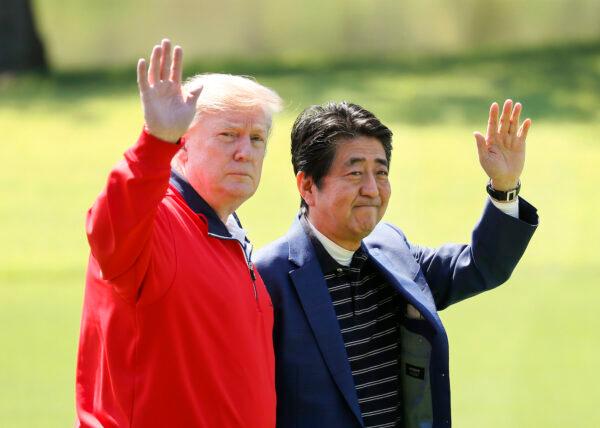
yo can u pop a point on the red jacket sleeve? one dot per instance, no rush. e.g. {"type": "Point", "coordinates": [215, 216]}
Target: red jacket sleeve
{"type": "Point", "coordinates": [121, 221]}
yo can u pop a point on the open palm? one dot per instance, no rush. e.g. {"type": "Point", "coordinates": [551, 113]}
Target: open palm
{"type": "Point", "coordinates": [168, 109]}
{"type": "Point", "coordinates": [502, 149]}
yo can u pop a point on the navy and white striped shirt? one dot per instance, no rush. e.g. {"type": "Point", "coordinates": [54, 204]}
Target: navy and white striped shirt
{"type": "Point", "coordinates": [367, 310]}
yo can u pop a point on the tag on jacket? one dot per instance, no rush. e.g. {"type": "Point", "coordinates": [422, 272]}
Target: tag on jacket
{"type": "Point", "coordinates": [414, 371]}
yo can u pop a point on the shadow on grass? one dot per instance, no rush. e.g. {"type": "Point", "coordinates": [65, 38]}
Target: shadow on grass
{"type": "Point", "coordinates": [554, 83]}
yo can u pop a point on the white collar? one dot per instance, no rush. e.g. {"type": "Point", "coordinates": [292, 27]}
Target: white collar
{"type": "Point", "coordinates": [339, 254]}
{"type": "Point", "coordinates": [238, 233]}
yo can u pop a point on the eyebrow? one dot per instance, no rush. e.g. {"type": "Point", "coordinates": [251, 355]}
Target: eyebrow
{"type": "Point", "coordinates": [254, 128]}
{"type": "Point", "coordinates": [354, 161]}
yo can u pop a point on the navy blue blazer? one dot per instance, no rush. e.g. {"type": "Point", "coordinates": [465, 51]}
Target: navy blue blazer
{"type": "Point", "coordinates": [314, 382]}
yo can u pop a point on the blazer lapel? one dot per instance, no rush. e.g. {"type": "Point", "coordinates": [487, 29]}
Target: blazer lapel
{"type": "Point", "coordinates": [318, 308]}
{"type": "Point", "coordinates": [396, 273]}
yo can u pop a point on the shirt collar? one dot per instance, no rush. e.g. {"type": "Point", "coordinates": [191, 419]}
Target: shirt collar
{"type": "Point", "coordinates": [340, 254]}
{"type": "Point", "coordinates": [200, 206]}
{"type": "Point", "coordinates": [326, 261]}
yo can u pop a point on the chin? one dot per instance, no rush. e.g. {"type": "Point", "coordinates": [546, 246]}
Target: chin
{"type": "Point", "coordinates": [239, 191]}
{"type": "Point", "coordinates": [364, 228]}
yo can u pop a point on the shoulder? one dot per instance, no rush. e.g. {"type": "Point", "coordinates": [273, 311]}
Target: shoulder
{"type": "Point", "coordinates": [387, 234]}
{"type": "Point", "coordinates": [272, 254]}
{"type": "Point", "coordinates": [273, 265]}
{"type": "Point", "coordinates": [389, 245]}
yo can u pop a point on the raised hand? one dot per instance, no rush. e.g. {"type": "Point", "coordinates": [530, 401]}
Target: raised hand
{"type": "Point", "coordinates": [502, 150]}
{"type": "Point", "coordinates": [168, 109]}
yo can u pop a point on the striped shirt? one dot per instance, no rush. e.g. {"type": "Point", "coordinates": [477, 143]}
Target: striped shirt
{"type": "Point", "coordinates": [367, 310]}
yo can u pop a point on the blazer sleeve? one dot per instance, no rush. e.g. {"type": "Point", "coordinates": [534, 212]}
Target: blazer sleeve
{"type": "Point", "coordinates": [456, 272]}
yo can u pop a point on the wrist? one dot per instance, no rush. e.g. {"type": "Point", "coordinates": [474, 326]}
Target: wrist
{"type": "Point", "coordinates": [504, 196]}
{"type": "Point", "coordinates": [163, 136]}
{"type": "Point", "coordinates": [504, 185]}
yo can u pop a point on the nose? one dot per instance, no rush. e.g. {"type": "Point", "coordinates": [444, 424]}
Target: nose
{"type": "Point", "coordinates": [369, 186]}
{"type": "Point", "coordinates": [244, 151]}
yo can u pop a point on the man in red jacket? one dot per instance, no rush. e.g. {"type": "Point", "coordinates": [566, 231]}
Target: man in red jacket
{"type": "Point", "coordinates": [176, 325]}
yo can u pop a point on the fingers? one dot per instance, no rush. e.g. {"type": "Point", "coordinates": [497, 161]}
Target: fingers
{"type": "Point", "coordinates": [142, 75]}
{"type": "Point", "coordinates": [176, 68]}
{"type": "Point", "coordinates": [505, 118]}
{"type": "Point", "coordinates": [522, 134]}
{"type": "Point", "coordinates": [162, 66]}
{"type": "Point", "coordinates": [514, 119]}
{"type": "Point", "coordinates": [165, 59]}
{"type": "Point", "coordinates": [507, 133]}
{"type": "Point", "coordinates": [492, 123]}
{"type": "Point", "coordinates": [154, 71]}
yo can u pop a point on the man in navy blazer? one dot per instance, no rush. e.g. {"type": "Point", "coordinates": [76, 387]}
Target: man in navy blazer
{"type": "Point", "coordinates": [358, 340]}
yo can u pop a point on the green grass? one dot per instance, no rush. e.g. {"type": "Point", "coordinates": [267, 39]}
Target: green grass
{"type": "Point", "coordinates": [524, 355]}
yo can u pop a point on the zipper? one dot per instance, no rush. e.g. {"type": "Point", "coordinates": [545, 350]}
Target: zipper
{"type": "Point", "coordinates": [249, 264]}
{"type": "Point", "coordinates": [253, 276]}
{"type": "Point", "coordinates": [248, 258]}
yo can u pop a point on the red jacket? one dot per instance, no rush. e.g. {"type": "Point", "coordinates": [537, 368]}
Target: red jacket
{"type": "Point", "coordinates": [175, 332]}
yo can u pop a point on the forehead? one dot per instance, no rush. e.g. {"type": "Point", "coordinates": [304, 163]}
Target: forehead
{"type": "Point", "coordinates": [367, 148]}
{"type": "Point", "coordinates": [253, 118]}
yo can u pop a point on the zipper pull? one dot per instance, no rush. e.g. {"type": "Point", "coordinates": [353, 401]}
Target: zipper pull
{"type": "Point", "coordinates": [251, 268]}
{"type": "Point", "coordinates": [253, 276]}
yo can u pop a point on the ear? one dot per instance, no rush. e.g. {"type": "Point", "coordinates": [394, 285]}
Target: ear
{"type": "Point", "coordinates": [182, 154]}
{"type": "Point", "coordinates": [306, 188]}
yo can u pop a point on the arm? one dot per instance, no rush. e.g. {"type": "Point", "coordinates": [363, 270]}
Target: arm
{"type": "Point", "coordinates": [121, 222]}
{"type": "Point", "coordinates": [456, 272]}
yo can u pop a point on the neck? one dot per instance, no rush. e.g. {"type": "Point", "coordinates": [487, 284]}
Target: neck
{"type": "Point", "coordinates": [223, 214]}
{"type": "Point", "coordinates": [346, 244]}
{"type": "Point", "coordinates": [223, 211]}
{"type": "Point", "coordinates": [339, 254]}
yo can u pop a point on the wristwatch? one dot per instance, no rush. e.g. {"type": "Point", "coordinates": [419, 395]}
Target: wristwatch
{"type": "Point", "coordinates": [503, 196]}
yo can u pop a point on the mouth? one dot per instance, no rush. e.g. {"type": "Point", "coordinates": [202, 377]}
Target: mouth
{"type": "Point", "coordinates": [240, 174]}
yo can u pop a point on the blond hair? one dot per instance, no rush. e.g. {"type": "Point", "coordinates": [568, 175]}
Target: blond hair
{"type": "Point", "coordinates": [230, 92]}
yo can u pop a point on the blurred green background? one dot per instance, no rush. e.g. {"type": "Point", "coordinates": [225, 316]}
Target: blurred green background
{"type": "Point", "coordinates": [524, 355]}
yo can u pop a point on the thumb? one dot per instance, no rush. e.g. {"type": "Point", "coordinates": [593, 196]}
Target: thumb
{"type": "Point", "coordinates": [480, 140]}
{"type": "Point", "coordinates": [192, 97]}
{"type": "Point", "coordinates": [481, 144]}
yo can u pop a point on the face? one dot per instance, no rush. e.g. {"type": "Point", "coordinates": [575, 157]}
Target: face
{"type": "Point", "coordinates": [223, 157]}
{"type": "Point", "coordinates": [354, 194]}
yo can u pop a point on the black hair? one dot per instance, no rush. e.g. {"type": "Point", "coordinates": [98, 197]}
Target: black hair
{"type": "Point", "coordinates": [318, 130]}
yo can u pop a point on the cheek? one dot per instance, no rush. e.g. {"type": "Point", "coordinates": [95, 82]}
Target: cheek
{"type": "Point", "coordinates": [385, 191]}
{"type": "Point", "coordinates": [258, 165]}
{"type": "Point", "coordinates": [385, 198]}
{"type": "Point", "coordinates": [259, 162]}
{"type": "Point", "coordinates": [340, 199]}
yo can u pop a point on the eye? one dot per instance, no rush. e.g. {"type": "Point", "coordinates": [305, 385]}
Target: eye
{"type": "Point", "coordinates": [383, 173]}
{"type": "Point", "coordinates": [257, 139]}
{"type": "Point", "coordinates": [227, 135]}
{"type": "Point", "coordinates": [355, 173]}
